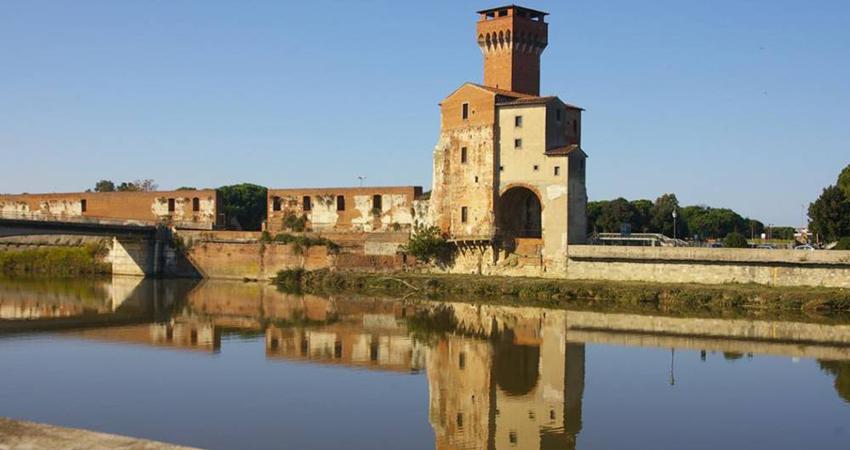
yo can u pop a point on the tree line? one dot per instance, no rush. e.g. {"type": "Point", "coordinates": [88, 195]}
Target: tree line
{"type": "Point", "coordinates": [692, 222]}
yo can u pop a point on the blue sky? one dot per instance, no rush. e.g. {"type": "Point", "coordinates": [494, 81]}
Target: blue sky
{"type": "Point", "coordinates": [742, 104]}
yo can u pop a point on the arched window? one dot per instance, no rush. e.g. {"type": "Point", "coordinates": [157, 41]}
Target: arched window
{"type": "Point", "coordinates": [196, 204]}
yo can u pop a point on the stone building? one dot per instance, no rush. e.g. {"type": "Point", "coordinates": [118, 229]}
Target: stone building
{"type": "Point", "coordinates": [187, 209]}
{"type": "Point", "coordinates": [364, 209]}
{"type": "Point", "coordinates": [509, 170]}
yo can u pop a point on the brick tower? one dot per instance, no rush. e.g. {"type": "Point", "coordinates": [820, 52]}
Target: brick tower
{"type": "Point", "coordinates": [512, 39]}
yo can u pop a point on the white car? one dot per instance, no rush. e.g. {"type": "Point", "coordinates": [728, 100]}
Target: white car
{"type": "Point", "coordinates": [804, 247]}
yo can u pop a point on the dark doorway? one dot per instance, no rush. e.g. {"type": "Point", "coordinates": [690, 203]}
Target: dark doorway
{"type": "Point", "coordinates": [520, 214]}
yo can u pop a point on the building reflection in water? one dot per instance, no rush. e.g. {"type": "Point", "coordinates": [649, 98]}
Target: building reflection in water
{"type": "Point", "coordinates": [499, 377]}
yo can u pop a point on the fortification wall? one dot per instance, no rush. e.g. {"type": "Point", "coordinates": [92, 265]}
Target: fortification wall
{"type": "Point", "coordinates": [183, 209]}
{"type": "Point", "coordinates": [367, 209]}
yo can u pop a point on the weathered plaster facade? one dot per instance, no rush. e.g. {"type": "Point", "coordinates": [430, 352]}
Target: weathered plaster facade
{"type": "Point", "coordinates": [366, 209]}
{"type": "Point", "coordinates": [182, 209]}
{"type": "Point", "coordinates": [509, 171]}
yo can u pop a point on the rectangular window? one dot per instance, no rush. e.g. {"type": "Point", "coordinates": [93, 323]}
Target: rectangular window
{"type": "Point", "coordinates": [83, 205]}
{"type": "Point", "coordinates": [377, 204]}
{"type": "Point", "coordinates": [517, 143]}
{"type": "Point", "coordinates": [518, 121]}
{"type": "Point", "coordinates": [557, 170]}
{"type": "Point", "coordinates": [558, 114]}
{"type": "Point", "coordinates": [170, 205]}
{"type": "Point", "coordinates": [340, 203]}
{"type": "Point", "coordinates": [465, 111]}
{"type": "Point", "coordinates": [463, 155]}
{"type": "Point", "coordinates": [196, 204]}
{"type": "Point", "coordinates": [536, 168]}
{"type": "Point", "coordinates": [307, 203]}
{"type": "Point", "coordinates": [464, 214]}
{"type": "Point", "coordinates": [276, 204]}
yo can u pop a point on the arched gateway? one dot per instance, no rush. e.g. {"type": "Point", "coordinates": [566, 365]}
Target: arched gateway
{"type": "Point", "coordinates": [520, 214]}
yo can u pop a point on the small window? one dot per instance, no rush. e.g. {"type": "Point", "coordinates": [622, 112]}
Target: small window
{"type": "Point", "coordinates": [536, 168]}
{"type": "Point", "coordinates": [464, 214]}
{"type": "Point", "coordinates": [512, 437]}
{"type": "Point", "coordinates": [518, 121]}
{"type": "Point", "coordinates": [517, 143]}
{"type": "Point", "coordinates": [558, 114]}
{"type": "Point", "coordinates": [196, 204]}
{"type": "Point", "coordinates": [276, 204]}
{"type": "Point", "coordinates": [307, 202]}
{"type": "Point", "coordinates": [83, 205]}
{"type": "Point", "coordinates": [170, 205]}
{"type": "Point", "coordinates": [459, 420]}
{"type": "Point", "coordinates": [461, 360]}
{"type": "Point", "coordinates": [340, 203]}
{"type": "Point", "coordinates": [476, 178]}
{"type": "Point", "coordinates": [465, 111]}
{"type": "Point", "coordinates": [501, 168]}
{"type": "Point", "coordinates": [557, 170]}
{"type": "Point", "coordinates": [575, 127]}
{"type": "Point", "coordinates": [377, 204]}
{"type": "Point", "coordinates": [463, 155]}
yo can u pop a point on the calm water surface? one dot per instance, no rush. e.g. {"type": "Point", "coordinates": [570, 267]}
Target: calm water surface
{"type": "Point", "coordinates": [235, 365]}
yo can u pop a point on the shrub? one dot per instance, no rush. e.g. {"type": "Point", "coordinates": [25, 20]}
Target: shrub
{"type": "Point", "coordinates": [735, 240]}
{"type": "Point", "coordinates": [428, 244]}
{"type": "Point", "coordinates": [843, 244]}
{"type": "Point", "coordinates": [294, 223]}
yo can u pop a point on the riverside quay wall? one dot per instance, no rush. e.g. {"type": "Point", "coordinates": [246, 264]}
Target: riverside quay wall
{"type": "Point", "coordinates": [710, 265]}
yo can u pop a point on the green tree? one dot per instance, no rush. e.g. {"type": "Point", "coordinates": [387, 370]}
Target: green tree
{"type": "Point", "coordinates": [244, 205]}
{"type": "Point", "coordinates": [735, 240]}
{"type": "Point", "coordinates": [146, 185]}
{"type": "Point", "coordinates": [428, 244]}
{"type": "Point", "coordinates": [829, 215]}
{"type": "Point", "coordinates": [104, 186]}
{"type": "Point", "coordinates": [187, 188]}
{"type": "Point", "coordinates": [614, 214]}
{"type": "Point", "coordinates": [844, 181]}
{"type": "Point", "coordinates": [642, 220]}
{"type": "Point", "coordinates": [662, 216]}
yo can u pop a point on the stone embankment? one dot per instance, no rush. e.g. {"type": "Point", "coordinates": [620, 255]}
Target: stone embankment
{"type": "Point", "coordinates": [18, 434]}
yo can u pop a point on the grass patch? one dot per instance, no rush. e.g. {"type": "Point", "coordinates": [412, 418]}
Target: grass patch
{"type": "Point", "coordinates": [688, 300]}
{"type": "Point", "coordinates": [56, 261]}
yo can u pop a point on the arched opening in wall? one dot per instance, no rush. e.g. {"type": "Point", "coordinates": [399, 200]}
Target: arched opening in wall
{"type": "Point", "coordinates": [516, 367]}
{"type": "Point", "coordinates": [520, 214]}
{"type": "Point", "coordinates": [196, 204]}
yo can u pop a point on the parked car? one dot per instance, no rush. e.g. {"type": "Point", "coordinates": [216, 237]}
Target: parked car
{"type": "Point", "coordinates": [716, 245]}
{"type": "Point", "coordinates": [766, 247]}
{"type": "Point", "coordinates": [804, 247]}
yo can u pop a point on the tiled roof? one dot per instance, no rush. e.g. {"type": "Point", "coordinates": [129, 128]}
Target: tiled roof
{"type": "Point", "coordinates": [504, 92]}
{"type": "Point", "coordinates": [536, 101]}
{"type": "Point", "coordinates": [562, 151]}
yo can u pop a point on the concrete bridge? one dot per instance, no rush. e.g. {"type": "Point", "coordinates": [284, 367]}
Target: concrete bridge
{"type": "Point", "coordinates": [140, 248]}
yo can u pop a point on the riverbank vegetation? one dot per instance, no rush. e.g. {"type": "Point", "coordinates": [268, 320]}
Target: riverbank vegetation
{"type": "Point", "coordinates": [688, 299]}
{"type": "Point", "coordinates": [55, 261]}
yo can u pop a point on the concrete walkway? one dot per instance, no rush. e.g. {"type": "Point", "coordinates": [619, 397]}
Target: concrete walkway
{"type": "Point", "coordinates": [21, 435]}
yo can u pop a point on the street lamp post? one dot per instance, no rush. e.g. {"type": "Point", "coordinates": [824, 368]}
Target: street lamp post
{"type": "Point", "coordinates": [674, 224]}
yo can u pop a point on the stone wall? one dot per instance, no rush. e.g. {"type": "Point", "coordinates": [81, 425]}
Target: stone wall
{"type": "Point", "coordinates": [710, 266]}
{"type": "Point", "coordinates": [183, 209]}
{"type": "Point", "coordinates": [344, 209]}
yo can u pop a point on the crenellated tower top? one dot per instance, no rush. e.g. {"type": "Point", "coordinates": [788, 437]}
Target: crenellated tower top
{"type": "Point", "coordinates": [512, 39]}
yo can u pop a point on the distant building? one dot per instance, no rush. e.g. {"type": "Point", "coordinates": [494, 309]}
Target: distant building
{"type": "Point", "coordinates": [509, 167]}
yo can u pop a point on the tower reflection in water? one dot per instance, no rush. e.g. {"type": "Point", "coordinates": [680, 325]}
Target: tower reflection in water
{"type": "Point", "coordinates": [498, 377]}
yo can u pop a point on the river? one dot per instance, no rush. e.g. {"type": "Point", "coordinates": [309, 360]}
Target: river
{"type": "Point", "coordinates": [236, 365]}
